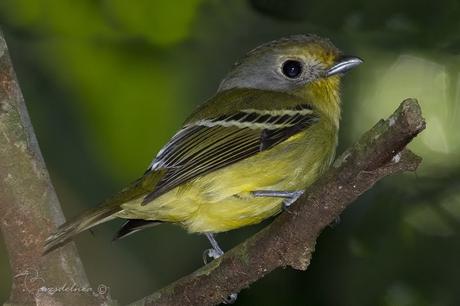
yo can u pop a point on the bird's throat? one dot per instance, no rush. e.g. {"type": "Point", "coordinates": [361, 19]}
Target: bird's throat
{"type": "Point", "coordinates": [324, 95]}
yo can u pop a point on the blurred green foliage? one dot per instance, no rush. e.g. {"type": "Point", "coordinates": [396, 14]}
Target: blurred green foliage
{"type": "Point", "coordinates": [107, 82]}
{"type": "Point", "coordinates": [110, 41]}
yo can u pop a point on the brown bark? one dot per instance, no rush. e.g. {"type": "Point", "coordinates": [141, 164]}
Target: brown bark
{"type": "Point", "coordinates": [30, 210]}
{"type": "Point", "coordinates": [290, 239]}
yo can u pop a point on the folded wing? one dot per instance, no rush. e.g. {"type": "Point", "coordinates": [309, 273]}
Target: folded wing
{"type": "Point", "coordinates": [210, 144]}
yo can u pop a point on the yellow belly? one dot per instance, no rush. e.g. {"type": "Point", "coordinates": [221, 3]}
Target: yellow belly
{"type": "Point", "coordinates": [222, 200]}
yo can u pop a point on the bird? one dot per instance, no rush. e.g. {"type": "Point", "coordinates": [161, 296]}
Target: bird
{"type": "Point", "coordinates": [247, 153]}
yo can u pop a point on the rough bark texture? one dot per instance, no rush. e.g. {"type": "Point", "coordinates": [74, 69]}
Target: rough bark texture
{"type": "Point", "coordinates": [290, 239]}
{"type": "Point", "coordinates": [30, 210]}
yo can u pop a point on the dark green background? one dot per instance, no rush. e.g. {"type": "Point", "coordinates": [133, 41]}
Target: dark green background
{"type": "Point", "coordinates": [107, 82]}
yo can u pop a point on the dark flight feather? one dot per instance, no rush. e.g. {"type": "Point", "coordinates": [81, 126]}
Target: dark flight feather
{"type": "Point", "coordinates": [134, 225]}
{"type": "Point", "coordinates": [212, 144]}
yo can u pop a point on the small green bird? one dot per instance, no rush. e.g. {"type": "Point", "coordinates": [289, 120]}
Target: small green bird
{"type": "Point", "coordinates": [253, 148]}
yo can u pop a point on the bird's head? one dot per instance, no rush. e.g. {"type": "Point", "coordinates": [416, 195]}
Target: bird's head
{"type": "Point", "coordinates": [290, 64]}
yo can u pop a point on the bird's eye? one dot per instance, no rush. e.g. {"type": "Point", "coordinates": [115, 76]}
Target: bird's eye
{"type": "Point", "coordinates": [292, 68]}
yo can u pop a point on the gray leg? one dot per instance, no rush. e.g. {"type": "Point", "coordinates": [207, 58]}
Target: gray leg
{"type": "Point", "coordinates": [215, 253]}
{"type": "Point", "coordinates": [288, 196]}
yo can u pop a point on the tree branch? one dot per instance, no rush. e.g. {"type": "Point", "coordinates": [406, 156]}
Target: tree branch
{"type": "Point", "coordinates": [30, 209]}
{"type": "Point", "coordinates": [290, 239]}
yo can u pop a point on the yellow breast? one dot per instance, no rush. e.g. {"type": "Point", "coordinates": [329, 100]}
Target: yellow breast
{"type": "Point", "coordinates": [222, 200]}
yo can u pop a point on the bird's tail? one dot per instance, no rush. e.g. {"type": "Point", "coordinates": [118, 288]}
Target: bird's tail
{"type": "Point", "coordinates": [83, 222]}
{"type": "Point", "coordinates": [107, 211]}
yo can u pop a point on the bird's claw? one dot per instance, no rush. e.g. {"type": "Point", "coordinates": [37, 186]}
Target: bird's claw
{"type": "Point", "coordinates": [215, 253]}
{"type": "Point", "coordinates": [231, 299]}
{"type": "Point", "coordinates": [211, 253]}
{"type": "Point", "coordinates": [287, 202]}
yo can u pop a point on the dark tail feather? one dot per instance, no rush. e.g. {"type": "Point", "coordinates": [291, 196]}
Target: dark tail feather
{"type": "Point", "coordinates": [86, 221]}
{"type": "Point", "coordinates": [134, 225]}
{"type": "Point", "coordinates": [105, 212]}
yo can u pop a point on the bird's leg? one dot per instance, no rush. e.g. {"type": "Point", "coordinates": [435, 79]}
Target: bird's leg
{"type": "Point", "coordinates": [215, 253]}
{"type": "Point", "coordinates": [288, 196]}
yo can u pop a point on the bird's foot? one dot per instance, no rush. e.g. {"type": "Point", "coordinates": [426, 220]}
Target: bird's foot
{"type": "Point", "coordinates": [289, 197]}
{"type": "Point", "coordinates": [211, 254]}
{"type": "Point", "coordinates": [215, 253]}
{"type": "Point", "coordinates": [231, 299]}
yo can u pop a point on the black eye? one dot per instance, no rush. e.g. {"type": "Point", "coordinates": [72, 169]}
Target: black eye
{"type": "Point", "coordinates": [292, 69]}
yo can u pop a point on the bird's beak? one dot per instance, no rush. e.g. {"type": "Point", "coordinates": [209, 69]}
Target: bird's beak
{"type": "Point", "coordinates": [343, 64]}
